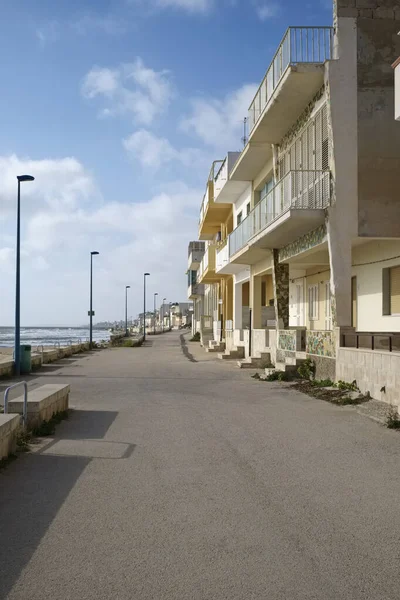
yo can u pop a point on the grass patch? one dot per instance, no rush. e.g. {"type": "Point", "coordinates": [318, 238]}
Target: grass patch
{"type": "Point", "coordinates": [47, 428]}
{"type": "Point", "coordinates": [393, 418]}
{"type": "Point", "coordinates": [322, 383]}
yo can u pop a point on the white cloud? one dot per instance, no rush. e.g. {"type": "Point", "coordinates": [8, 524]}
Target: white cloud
{"type": "Point", "coordinates": [153, 152]}
{"type": "Point", "coordinates": [201, 6]}
{"type": "Point", "coordinates": [132, 89]}
{"type": "Point", "coordinates": [266, 10]}
{"type": "Point", "coordinates": [101, 23]}
{"type": "Point", "coordinates": [219, 123]}
{"type": "Point", "coordinates": [48, 33]}
{"type": "Point", "coordinates": [64, 218]}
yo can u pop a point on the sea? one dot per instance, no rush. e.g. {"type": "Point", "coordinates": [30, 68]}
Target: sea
{"type": "Point", "coordinates": [48, 336]}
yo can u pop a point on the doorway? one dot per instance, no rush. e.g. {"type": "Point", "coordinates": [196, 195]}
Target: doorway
{"type": "Point", "coordinates": [354, 302]}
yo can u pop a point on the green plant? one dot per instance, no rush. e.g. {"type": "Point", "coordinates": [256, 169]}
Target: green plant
{"type": "Point", "coordinates": [47, 428]}
{"type": "Point", "coordinates": [277, 376]}
{"type": "Point", "coordinates": [23, 440]}
{"type": "Point", "coordinates": [393, 418]}
{"type": "Point", "coordinates": [307, 369]}
{"type": "Point", "coordinates": [351, 387]}
{"type": "Point", "coordinates": [196, 337]}
{"type": "Point", "coordinates": [322, 383]}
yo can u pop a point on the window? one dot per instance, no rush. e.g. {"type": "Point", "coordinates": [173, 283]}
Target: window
{"type": "Point", "coordinates": [267, 188]}
{"type": "Point", "coordinates": [239, 217]}
{"type": "Point", "coordinates": [248, 209]}
{"type": "Point", "coordinates": [313, 302]}
{"type": "Point", "coordinates": [391, 291]}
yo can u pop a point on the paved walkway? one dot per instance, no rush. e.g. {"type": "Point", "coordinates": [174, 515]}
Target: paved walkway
{"type": "Point", "coordinates": [176, 479]}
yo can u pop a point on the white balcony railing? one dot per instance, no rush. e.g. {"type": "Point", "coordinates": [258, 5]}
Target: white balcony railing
{"type": "Point", "coordinates": [297, 190]}
{"type": "Point", "coordinates": [209, 189]}
{"type": "Point", "coordinates": [299, 45]}
{"type": "Point", "coordinates": [222, 256]}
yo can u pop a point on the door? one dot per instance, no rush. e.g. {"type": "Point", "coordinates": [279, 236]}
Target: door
{"type": "Point", "coordinates": [328, 309]}
{"type": "Point", "coordinates": [354, 302]}
{"type": "Point", "coordinates": [300, 304]}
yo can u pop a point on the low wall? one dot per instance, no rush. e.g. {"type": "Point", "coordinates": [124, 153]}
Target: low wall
{"type": "Point", "coordinates": [43, 403]}
{"type": "Point", "coordinates": [376, 372]}
{"type": "Point", "coordinates": [6, 367]}
{"type": "Point", "coordinates": [9, 427]}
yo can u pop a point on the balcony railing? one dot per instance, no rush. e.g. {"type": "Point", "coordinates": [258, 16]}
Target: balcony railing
{"type": "Point", "coordinates": [299, 45]}
{"type": "Point", "coordinates": [207, 262]}
{"type": "Point", "coordinates": [222, 256]}
{"type": "Point", "coordinates": [210, 188]}
{"type": "Point", "coordinates": [297, 190]}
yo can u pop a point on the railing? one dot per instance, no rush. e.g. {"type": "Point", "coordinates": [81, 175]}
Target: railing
{"type": "Point", "coordinates": [25, 409]}
{"type": "Point", "coordinates": [209, 189]}
{"type": "Point", "coordinates": [299, 45]}
{"type": "Point", "coordinates": [195, 247]}
{"type": "Point", "coordinates": [208, 261]}
{"type": "Point", "coordinates": [222, 256]}
{"type": "Point", "coordinates": [297, 190]}
{"type": "Point", "coordinates": [389, 342]}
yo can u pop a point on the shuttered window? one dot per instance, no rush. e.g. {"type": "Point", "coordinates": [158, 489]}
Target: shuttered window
{"type": "Point", "coordinates": [313, 302]}
{"type": "Point", "coordinates": [395, 291]}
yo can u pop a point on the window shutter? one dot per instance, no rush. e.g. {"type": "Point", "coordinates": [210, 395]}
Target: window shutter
{"type": "Point", "coordinates": [395, 291]}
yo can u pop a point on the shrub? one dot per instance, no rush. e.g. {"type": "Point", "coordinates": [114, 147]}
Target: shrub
{"type": "Point", "coordinates": [277, 376]}
{"type": "Point", "coordinates": [322, 383]}
{"type": "Point", "coordinates": [307, 369]}
{"type": "Point", "coordinates": [196, 337]}
{"type": "Point", "coordinates": [393, 418]}
{"type": "Point", "coordinates": [351, 387]}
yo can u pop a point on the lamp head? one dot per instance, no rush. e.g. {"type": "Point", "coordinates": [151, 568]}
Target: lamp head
{"type": "Point", "coordinates": [25, 178]}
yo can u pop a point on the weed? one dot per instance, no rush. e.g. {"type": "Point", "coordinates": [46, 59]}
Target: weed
{"type": "Point", "coordinates": [307, 369]}
{"type": "Point", "coordinates": [23, 440]}
{"type": "Point", "coordinates": [393, 418]}
{"type": "Point", "coordinates": [322, 383]}
{"type": "Point", "coordinates": [196, 337]}
{"type": "Point", "coordinates": [47, 428]}
{"type": "Point", "coordinates": [351, 387]}
{"type": "Point", "coordinates": [277, 376]}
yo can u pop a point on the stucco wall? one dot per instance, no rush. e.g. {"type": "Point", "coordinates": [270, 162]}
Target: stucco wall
{"type": "Point", "coordinates": [369, 284]}
{"type": "Point", "coordinates": [397, 91]}
{"type": "Point", "coordinates": [241, 203]}
{"type": "Point", "coordinates": [372, 371]}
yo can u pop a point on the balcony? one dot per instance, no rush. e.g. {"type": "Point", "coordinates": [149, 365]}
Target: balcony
{"type": "Point", "coordinates": [211, 213]}
{"type": "Point", "coordinates": [195, 254]}
{"type": "Point", "coordinates": [226, 190]}
{"type": "Point", "coordinates": [195, 290]}
{"type": "Point", "coordinates": [292, 208]}
{"type": "Point", "coordinates": [294, 76]}
{"type": "Point", "coordinates": [223, 265]}
{"type": "Point", "coordinates": [206, 272]}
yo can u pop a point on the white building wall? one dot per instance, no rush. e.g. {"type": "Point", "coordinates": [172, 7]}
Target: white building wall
{"type": "Point", "coordinates": [369, 260]}
{"type": "Point", "coordinates": [241, 204]}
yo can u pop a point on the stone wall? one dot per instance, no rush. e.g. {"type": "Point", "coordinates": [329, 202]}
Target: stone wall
{"type": "Point", "coordinates": [320, 343]}
{"type": "Point", "coordinates": [375, 372]}
{"type": "Point", "coordinates": [280, 277]}
{"type": "Point", "coordinates": [368, 9]}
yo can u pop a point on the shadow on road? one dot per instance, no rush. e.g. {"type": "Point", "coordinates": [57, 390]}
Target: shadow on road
{"type": "Point", "coordinates": [185, 349]}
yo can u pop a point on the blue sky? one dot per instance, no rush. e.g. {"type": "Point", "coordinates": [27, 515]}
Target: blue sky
{"type": "Point", "coordinates": [118, 108]}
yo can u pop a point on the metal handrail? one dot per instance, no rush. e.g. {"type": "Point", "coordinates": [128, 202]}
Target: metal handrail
{"type": "Point", "coordinates": [25, 409]}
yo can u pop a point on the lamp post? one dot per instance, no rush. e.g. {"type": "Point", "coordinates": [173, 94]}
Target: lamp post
{"type": "Point", "coordinates": [91, 313]}
{"type": "Point", "coordinates": [17, 336]}
{"type": "Point", "coordinates": [127, 287]}
{"type": "Point", "coordinates": [169, 316]}
{"type": "Point", "coordinates": [155, 314]}
{"type": "Point", "coordinates": [164, 300]}
{"type": "Point", "coordinates": [144, 305]}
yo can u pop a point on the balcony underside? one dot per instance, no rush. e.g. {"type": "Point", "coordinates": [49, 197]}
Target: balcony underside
{"type": "Point", "coordinates": [211, 224]}
{"type": "Point", "coordinates": [230, 269]}
{"type": "Point", "coordinates": [252, 160]}
{"type": "Point", "coordinates": [209, 276]}
{"type": "Point", "coordinates": [298, 86]}
{"type": "Point", "coordinates": [284, 230]}
{"type": "Point", "coordinates": [231, 191]}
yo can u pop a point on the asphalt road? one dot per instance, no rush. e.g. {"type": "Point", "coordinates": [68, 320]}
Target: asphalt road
{"type": "Point", "coordinates": [179, 477]}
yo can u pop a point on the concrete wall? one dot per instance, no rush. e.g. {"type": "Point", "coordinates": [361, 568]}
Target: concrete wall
{"type": "Point", "coordinates": [241, 203]}
{"type": "Point", "coordinates": [369, 284]}
{"type": "Point", "coordinates": [375, 372]}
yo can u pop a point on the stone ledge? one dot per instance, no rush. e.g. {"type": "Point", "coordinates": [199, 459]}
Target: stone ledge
{"type": "Point", "coordinates": [9, 426]}
{"type": "Point", "coordinates": [43, 402]}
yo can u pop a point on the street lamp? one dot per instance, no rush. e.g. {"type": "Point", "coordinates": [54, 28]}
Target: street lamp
{"type": "Point", "coordinates": [155, 314]}
{"type": "Point", "coordinates": [91, 312]}
{"type": "Point", "coordinates": [17, 335]}
{"type": "Point", "coordinates": [169, 316]}
{"type": "Point", "coordinates": [144, 305]}
{"type": "Point", "coordinates": [164, 300]}
{"type": "Point", "coordinates": [127, 287]}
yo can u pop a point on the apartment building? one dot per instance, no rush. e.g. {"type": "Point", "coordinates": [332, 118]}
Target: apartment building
{"type": "Point", "coordinates": [303, 225]}
{"type": "Point", "coordinates": [195, 289]}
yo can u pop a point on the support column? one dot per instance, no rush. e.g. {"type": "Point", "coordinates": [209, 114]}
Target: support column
{"type": "Point", "coordinates": [340, 262]}
{"type": "Point", "coordinates": [255, 301]}
{"type": "Point", "coordinates": [280, 278]}
{"type": "Point", "coordinates": [238, 306]}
